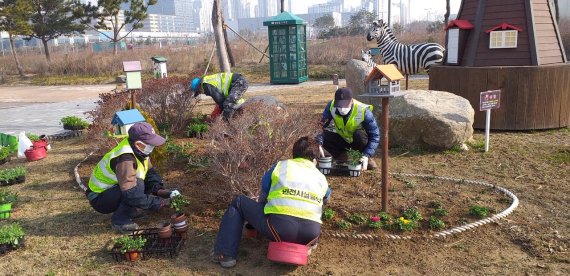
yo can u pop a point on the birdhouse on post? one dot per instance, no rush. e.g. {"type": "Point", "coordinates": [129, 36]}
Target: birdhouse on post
{"type": "Point", "coordinates": [133, 71]}
{"type": "Point", "coordinates": [159, 66]}
{"type": "Point", "coordinates": [457, 33]}
{"type": "Point", "coordinates": [383, 80]}
{"type": "Point", "coordinates": [123, 120]}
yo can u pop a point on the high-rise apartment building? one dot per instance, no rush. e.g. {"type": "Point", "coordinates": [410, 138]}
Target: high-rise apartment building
{"type": "Point", "coordinates": [268, 8]}
{"type": "Point", "coordinates": [332, 6]}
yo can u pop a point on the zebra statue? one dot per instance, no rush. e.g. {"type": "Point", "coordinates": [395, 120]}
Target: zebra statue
{"type": "Point", "coordinates": [408, 58]}
{"type": "Point", "coordinates": [366, 56]}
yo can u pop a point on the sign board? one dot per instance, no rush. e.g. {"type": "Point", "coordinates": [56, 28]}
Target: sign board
{"type": "Point", "coordinates": [134, 80]}
{"type": "Point", "coordinates": [490, 100]}
{"type": "Point", "coordinates": [335, 79]}
{"type": "Point", "coordinates": [132, 66]}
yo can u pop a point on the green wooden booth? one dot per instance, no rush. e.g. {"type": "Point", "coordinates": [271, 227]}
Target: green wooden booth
{"type": "Point", "coordinates": [287, 48]}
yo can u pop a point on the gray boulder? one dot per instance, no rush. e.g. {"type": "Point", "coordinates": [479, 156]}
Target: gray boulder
{"type": "Point", "coordinates": [356, 73]}
{"type": "Point", "coordinates": [428, 119]}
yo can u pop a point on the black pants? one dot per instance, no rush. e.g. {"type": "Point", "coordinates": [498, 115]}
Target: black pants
{"type": "Point", "coordinates": [336, 145]}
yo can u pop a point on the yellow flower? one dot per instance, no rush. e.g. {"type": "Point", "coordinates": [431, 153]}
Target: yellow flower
{"type": "Point", "coordinates": [404, 221]}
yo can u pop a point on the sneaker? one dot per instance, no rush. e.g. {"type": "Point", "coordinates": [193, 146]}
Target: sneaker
{"type": "Point", "coordinates": [224, 261]}
{"type": "Point", "coordinates": [372, 164]}
{"type": "Point", "coordinates": [125, 228]}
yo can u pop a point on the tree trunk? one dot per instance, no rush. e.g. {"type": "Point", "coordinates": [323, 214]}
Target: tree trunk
{"type": "Point", "coordinates": [229, 48]}
{"type": "Point", "coordinates": [447, 12]}
{"type": "Point", "coordinates": [219, 36]}
{"type": "Point", "coordinates": [13, 49]}
{"type": "Point", "coordinates": [115, 35]}
{"type": "Point", "coordinates": [46, 49]}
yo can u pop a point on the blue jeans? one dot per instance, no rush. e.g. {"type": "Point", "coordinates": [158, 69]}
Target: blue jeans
{"type": "Point", "coordinates": [290, 229]}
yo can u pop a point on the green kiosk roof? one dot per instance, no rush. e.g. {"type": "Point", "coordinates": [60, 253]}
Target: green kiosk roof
{"type": "Point", "coordinates": [284, 18]}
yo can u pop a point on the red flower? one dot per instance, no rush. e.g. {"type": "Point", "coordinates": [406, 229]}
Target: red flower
{"type": "Point", "coordinates": [375, 218]}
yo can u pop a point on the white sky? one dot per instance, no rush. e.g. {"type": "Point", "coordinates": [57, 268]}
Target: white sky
{"type": "Point", "coordinates": [418, 11]}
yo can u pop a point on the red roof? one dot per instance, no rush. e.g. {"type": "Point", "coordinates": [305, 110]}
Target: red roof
{"type": "Point", "coordinates": [504, 26]}
{"type": "Point", "coordinates": [461, 24]}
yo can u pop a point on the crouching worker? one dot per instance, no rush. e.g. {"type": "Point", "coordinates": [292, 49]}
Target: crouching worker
{"type": "Point", "coordinates": [348, 123]}
{"type": "Point", "coordinates": [291, 202]}
{"type": "Point", "coordinates": [226, 89]}
{"type": "Point", "coordinates": [124, 182]}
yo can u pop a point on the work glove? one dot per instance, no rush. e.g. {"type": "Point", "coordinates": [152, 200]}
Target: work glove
{"type": "Point", "coordinates": [174, 193]}
{"type": "Point", "coordinates": [364, 161]}
{"type": "Point", "coordinates": [321, 151]}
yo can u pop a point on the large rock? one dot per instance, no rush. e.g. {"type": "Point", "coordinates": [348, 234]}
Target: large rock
{"type": "Point", "coordinates": [356, 73]}
{"type": "Point", "coordinates": [428, 119]}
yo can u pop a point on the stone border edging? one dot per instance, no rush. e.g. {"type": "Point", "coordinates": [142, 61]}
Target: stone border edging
{"type": "Point", "coordinates": [459, 229]}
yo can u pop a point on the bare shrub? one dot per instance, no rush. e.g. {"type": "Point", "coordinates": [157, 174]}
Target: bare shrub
{"type": "Point", "coordinates": [107, 105]}
{"type": "Point", "coordinates": [168, 102]}
{"type": "Point", "coordinates": [242, 150]}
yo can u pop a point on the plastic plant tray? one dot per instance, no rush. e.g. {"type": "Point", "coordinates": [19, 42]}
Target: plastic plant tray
{"type": "Point", "coordinates": [155, 247]}
{"type": "Point", "coordinates": [339, 169]}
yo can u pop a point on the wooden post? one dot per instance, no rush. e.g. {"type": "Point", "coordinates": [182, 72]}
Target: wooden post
{"type": "Point", "coordinates": [385, 125]}
{"type": "Point", "coordinates": [133, 99]}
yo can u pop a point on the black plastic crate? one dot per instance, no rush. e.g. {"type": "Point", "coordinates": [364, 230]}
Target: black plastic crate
{"type": "Point", "coordinates": [155, 247]}
{"type": "Point", "coordinates": [339, 170]}
{"type": "Point", "coordinates": [5, 248]}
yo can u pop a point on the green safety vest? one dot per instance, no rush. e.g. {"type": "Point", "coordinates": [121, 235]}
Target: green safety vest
{"type": "Point", "coordinates": [297, 189]}
{"type": "Point", "coordinates": [103, 177]}
{"type": "Point", "coordinates": [354, 122]}
{"type": "Point", "coordinates": [222, 82]}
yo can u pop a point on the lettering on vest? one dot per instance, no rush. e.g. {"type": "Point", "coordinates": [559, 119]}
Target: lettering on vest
{"type": "Point", "coordinates": [300, 193]}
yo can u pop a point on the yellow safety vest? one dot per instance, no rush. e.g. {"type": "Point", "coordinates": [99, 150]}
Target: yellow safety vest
{"type": "Point", "coordinates": [222, 82]}
{"type": "Point", "coordinates": [297, 189]}
{"type": "Point", "coordinates": [103, 177]}
{"type": "Point", "coordinates": [354, 122]}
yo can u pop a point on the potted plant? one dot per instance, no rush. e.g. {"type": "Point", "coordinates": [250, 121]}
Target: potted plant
{"type": "Point", "coordinates": [12, 176]}
{"type": "Point", "coordinates": [131, 247]}
{"type": "Point", "coordinates": [4, 154]}
{"type": "Point", "coordinates": [354, 163]}
{"type": "Point", "coordinates": [11, 237]}
{"type": "Point", "coordinates": [325, 164]}
{"type": "Point", "coordinates": [74, 123]}
{"type": "Point", "coordinates": [179, 220]}
{"type": "Point", "coordinates": [7, 198]}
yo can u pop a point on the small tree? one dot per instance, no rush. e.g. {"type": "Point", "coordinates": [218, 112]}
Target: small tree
{"type": "Point", "coordinates": [447, 12]}
{"type": "Point", "coordinates": [14, 16]}
{"type": "Point", "coordinates": [323, 23]}
{"type": "Point", "coordinates": [107, 14]}
{"type": "Point", "coordinates": [53, 18]}
{"type": "Point", "coordinates": [360, 22]}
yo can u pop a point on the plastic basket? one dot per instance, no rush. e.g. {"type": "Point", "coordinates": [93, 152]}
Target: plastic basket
{"type": "Point", "coordinates": [288, 253]}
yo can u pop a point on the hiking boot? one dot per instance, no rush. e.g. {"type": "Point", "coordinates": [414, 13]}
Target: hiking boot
{"type": "Point", "coordinates": [125, 228]}
{"type": "Point", "coordinates": [372, 164]}
{"type": "Point", "coordinates": [224, 261]}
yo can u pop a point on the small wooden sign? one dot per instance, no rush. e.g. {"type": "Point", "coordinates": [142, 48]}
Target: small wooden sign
{"type": "Point", "coordinates": [490, 100]}
{"type": "Point", "coordinates": [335, 79]}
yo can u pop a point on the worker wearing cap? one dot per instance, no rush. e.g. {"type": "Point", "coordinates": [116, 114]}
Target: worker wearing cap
{"type": "Point", "coordinates": [124, 181]}
{"type": "Point", "coordinates": [348, 123]}
{"type": "Point", "coordinates": [226, 89]}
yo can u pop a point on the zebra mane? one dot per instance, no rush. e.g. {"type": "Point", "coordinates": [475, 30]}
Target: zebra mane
{"type": "Point", "coordinates": [389, 32]}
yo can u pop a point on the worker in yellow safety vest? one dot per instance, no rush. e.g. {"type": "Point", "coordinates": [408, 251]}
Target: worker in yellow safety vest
{"type": "Point", "coordinates": [349, 124]}
{"type": "Point", "coordinates": [124, 181]}
{"type": "Point", "coordinates": [226, 89]}
{"type": "Point", "coordinates": [289, 209]}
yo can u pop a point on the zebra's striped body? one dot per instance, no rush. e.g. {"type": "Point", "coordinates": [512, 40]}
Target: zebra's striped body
{"type": "Point", "coordinates": [410, 59]}
{"type": "Point", "coordinates": [366, 56]}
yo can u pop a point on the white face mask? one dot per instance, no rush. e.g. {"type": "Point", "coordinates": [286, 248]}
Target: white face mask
{"type": "Point", "coordinates": [147, 149]}
{"type": "Point", "coordinates": [343, 110]}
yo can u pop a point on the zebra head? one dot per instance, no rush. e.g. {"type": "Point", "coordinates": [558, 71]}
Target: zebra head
{"type": "Point", "coordinates": [365, 55]}
{"type": "Point", "coordinates": [377, 30]}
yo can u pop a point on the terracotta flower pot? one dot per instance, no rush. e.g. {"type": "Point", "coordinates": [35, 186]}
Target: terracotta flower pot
{"type": "Point", "coordinates": [133, 256]}
{"type": "Point", "coordinates": [180, 224]}
{"type": "Point", "coordinates": [165, 231]}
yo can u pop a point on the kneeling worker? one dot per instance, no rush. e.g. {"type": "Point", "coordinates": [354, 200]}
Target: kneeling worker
{"type": "Point", "coordinates": [348, 123]}
{"type": "Point", "coordinates": [290, 204]}
{"type": "Point", "coordinates": [124, 182]}
{"type": "Point", "coordinates": [226, 89]}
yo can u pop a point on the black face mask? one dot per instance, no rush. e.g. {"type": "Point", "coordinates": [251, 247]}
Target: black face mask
{"type": "Point", "coordinates": [138, 153]}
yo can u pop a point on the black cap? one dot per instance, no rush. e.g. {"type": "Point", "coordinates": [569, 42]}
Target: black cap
{"type": "Point", "coordinates": [343, 97]}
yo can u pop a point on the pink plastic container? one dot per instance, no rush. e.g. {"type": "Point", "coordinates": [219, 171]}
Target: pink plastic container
{"type": "Point", "coordinates": [288, 253]}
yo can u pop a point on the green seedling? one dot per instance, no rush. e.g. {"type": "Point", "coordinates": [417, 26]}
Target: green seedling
{"type": "Point", "coordinates": [178, 202]}
{"type": "Point", "coordinates": [345, 225]}
{"type": "Point", "coordinates": [354, 157]}
{"type": "Point", "coordinates": [74, 121]}
{"type": "Point", "coordinates": [129, 243]}
{"type": "Point", "coordinates": [412, 214]}
{"type": "Point", "coordinates": [440, 212]}
{"type": "Point", "coordinates": [357, 219]}
{"type": "Point", "coordinates": [404, 224]}
{"type": "Point", "coordinates": [11, 233]}
{"type": "Point", "coordinates": [328, 214]}
{"type": "Point", "coordinates": [11, 174]}
{"type": "Point", "coordinates": [435, 204]}
{"type": "Point", "coordinates": [436, 223]}
{"type": "Point", "coordinates": [479, 211]}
